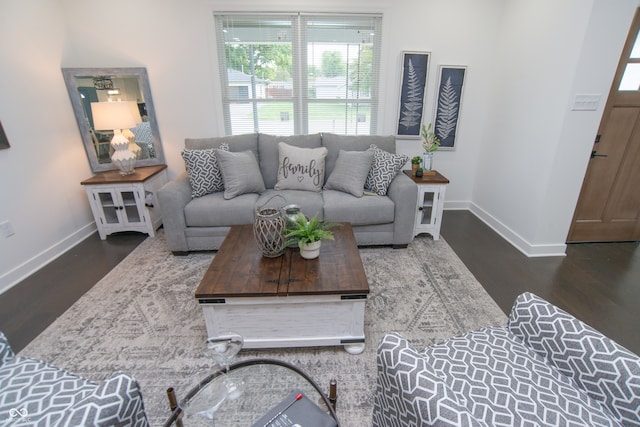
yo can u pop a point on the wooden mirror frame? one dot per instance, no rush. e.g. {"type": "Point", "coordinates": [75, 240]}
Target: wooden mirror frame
{"type": "Point", "coordinates": [71, 76]}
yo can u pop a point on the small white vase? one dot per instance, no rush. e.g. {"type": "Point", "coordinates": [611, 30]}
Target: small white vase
{"type": "Point", "coordinates": [310, 250]}
{"type": "Point", "coordinates": [427, 161]}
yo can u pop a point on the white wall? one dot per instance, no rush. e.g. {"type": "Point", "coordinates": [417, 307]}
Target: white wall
{"type": "Point", "coordinates": [523, 59]}
{"type": "Point", "coordinates": [40, 192]}
{"type": "Point", "coordinates": [535, 154]}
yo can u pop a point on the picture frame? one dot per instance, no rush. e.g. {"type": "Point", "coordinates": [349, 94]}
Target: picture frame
{"type": "Point", "coordinates": [413, 88]}
{"type": "Point", "coordinates": [4, 142]}
{"type": "Point", "coordinates": [449, 91]}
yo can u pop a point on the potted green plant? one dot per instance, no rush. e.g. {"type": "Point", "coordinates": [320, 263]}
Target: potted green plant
{"type": "Point", "coordinates": [308, 234]}
{"type": "Point", "coordinates": [419, 172]}
{"type": "Point", "coordinates": [415, 164]}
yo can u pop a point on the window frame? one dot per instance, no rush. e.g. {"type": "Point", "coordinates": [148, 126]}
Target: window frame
{"type": "Point", "coordinates": [300, 69]}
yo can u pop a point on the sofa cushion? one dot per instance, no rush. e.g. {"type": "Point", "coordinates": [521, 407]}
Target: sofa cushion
{"type": "Point", "coordinates": [203, 171]}
{"type": "Point", "coordinates": [350, 172]}
{"type": "Point", "coordinates": [300, 168]}
{"type": "Point", "coordinates": [384, 169]}
{"type": "Point", "coordinates": [506, 383]}
{"type": "Point", "coordinates": [240, 173]}
{"type": "Point", "coordinates": [344, 207]}
{"type": "Point", "coordinates": [236, 143]}
{"type": "Point", "coordinates": [213, 210]}
{"type": "Point", "coordinates": [335, 143]}
{"type": "Point", "coordinates": [269, 154]}
{"type": "Point", "coordinates": [310, 202]}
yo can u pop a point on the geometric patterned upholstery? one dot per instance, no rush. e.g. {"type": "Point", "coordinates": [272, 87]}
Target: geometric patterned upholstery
{"type": "Point", "coordinates": [509, 375]}
{"type": "Point", "coordinates": [35, 393]}
{"type": "Point", "coordinates": [608, 372]}
{"type": "Point", "coordinates": [409, 393]}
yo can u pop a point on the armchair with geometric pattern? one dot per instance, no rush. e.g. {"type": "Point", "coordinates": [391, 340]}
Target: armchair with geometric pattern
{"type": "Point", "coordinates": [35, 393]}
{"type": "Point", "coordinates": [545, 367]}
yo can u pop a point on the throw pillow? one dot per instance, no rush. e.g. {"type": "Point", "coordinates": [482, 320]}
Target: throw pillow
{"type": "Point", "coordinates": [300, 168]}
{"type": "Point", "coordinates": [203, 171]}
{"type": "Point", "coordinates": [240, 173]}
{"type": "Point", "coordinates": [350, 172]}
{"type": "Point", "coordinates": [385, 167]}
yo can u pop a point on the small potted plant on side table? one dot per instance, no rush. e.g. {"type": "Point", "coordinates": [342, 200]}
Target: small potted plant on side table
{"type": "Point", "coordinates": [415, 164]}
{"type": "Point", "coordinates": [308, 234]}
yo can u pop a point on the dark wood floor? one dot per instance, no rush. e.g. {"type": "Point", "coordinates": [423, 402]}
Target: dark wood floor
{"type": "Point", "coordinates": [598, 283]}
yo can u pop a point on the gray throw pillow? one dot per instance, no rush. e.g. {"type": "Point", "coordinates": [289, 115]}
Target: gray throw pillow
{"type": "Point", "coordinates": [300, 168]}
{"type": "Point", "coordinates": [385, 167]}
{"type": "Point", "coordinates": [203, 171]}
{"type": "Point", "coordinates": [240, 173]}
{"type": "Point", "coordinates": [350, 172]}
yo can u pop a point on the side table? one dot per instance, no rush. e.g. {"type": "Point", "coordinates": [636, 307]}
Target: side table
{"type": "Point", "coordinates": [430, 203]}
{"type": "Point", "coordinates": [126, 203]}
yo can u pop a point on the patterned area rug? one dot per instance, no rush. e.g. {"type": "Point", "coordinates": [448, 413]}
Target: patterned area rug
{"type": "Point", "coordinates": [142, 319]}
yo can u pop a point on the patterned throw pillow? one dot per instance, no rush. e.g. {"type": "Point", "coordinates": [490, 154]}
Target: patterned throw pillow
{"type": "Point", "coordinates": [202, 168]}
{"type": "Point", "coordinates": [300, 168]}
{"type": "Point", "coordinates": [385, 167]}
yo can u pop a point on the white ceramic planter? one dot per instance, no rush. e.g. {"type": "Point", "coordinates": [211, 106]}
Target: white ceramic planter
{"type": "Point", "coordinates": [310, 250]}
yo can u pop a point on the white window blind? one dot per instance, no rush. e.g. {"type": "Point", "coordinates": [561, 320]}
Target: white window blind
{"type": "Point", "coordinates": [299, 73]}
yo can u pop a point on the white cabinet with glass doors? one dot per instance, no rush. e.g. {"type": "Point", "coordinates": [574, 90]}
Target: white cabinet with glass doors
{"type": "Point", "coordinates": [126, 203]}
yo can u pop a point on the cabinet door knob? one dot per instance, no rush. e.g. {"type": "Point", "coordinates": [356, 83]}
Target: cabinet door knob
{"type": "Point", "coordinates": [420, 208]}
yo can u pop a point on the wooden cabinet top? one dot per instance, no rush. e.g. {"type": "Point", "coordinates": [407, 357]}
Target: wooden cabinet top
{"type": "Point", "coordinates": [140, 174]}
{"type": "Point", "coordinates": [436, 178]}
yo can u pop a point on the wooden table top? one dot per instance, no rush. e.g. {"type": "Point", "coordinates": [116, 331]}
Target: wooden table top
{"type": "Point", "coordinates": [434, 177]}
{"type": "Point", "coordinates": [140, 174]}
{"type": "Point", "coordinates": [240, 270]}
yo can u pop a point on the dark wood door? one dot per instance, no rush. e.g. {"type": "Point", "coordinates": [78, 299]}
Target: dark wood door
{"type": "Point", "coordinates": [609, 205]}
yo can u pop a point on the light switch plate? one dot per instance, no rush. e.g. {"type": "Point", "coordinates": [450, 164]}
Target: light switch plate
{"type": "Point", "coordinates": [586, 102]}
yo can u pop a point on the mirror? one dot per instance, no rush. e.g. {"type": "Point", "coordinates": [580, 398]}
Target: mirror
{"type": "Point", "coordinates": [87, 85]}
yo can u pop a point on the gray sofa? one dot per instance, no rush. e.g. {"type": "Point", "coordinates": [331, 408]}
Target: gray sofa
{"type": "Point", "coordinates": [201, 223]}
{"type": "Point", "coordinates": [35, 393]}
{"type": "Point", "coordinates": [545, 368]}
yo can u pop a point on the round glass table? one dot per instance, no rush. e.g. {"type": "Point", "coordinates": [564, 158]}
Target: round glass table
{"type": "Point", "coordinates": [266, 383]}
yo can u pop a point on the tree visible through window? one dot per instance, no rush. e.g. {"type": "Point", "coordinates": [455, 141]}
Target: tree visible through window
{"type": "Point", "coordinates": [299, 73]}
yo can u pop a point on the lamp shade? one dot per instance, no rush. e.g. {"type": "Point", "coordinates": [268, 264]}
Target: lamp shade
{"type": "Point", "coordinates": [114, 115]}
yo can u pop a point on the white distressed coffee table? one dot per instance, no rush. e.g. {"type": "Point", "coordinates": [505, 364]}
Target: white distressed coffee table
{"type": "Point", "coordinates": [286, 301]}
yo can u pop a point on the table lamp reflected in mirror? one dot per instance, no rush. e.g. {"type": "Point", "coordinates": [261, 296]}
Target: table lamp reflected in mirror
{"type": "Point", "coordinates": [119, 117]}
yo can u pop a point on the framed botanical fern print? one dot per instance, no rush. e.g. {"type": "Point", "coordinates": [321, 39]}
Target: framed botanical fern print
{"type": "Point", "coordinates": [448, 101]}
{"type": "Point", "coordinates": [415, 68]}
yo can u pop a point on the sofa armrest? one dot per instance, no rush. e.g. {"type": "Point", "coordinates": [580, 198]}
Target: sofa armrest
{"type": "Point", "coordinates": [404, 193]}
{"type": "Point", "coordinates": [172, 198]}
{"type": "Point", "coordinates": [409, 392]}
{"type": "Point", "coordinates": [6, 352]}
{"type": "Point", "coordinates": [608, 372]}
{"type": "Point", "coordinates": [116, 402]}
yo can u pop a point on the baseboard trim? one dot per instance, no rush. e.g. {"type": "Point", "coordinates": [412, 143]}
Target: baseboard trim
{"type": "Point", "coordinates": [507, 233]}
{"type": "Point", "coordinates": [517, 241]}
{"type": "Point", "coordinates": [24, 270]}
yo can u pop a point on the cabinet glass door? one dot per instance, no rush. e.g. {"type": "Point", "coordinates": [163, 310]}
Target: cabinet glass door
{"type": "Point", "coordinates": [130, 207]}
{"type": "Point", "coordinates": [427, 207]}
{"type": "Point", "coordinates": [109, 206]}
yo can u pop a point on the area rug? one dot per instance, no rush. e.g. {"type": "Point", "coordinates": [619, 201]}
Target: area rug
{"type": "Point", "coordinates": [142, 319]}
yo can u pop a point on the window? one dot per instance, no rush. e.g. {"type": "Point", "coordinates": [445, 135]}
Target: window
{"type": "Point", "coordinates": [301, 73]}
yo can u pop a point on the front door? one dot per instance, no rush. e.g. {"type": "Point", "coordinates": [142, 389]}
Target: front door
{"type": "Point", "coordinates": [608, 209]}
